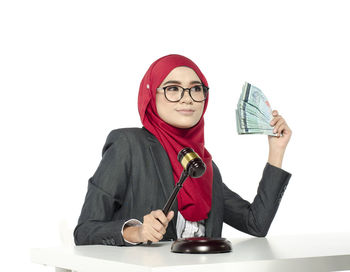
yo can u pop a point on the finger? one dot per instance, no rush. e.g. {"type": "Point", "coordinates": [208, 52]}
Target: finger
{"type": "Point", "coordinates": [149, 233]}
{"type": "Point", "coordinates": [170, 215]}
{"type": "Point", "coordinates": [158, 226]}
{"type": "Point", "coordinates": [156, 234]}
{"type": "Point", "coordinates": [275, 120]}
{"type": "Point", "coordinates": [150, 237]}
{"type": "Point", "coordinates": [278, 125]}
{"type": "Point", "coordinates": [279, 121]}
{"type": "Point", "coordinates": [274, 112]}
{"type": "Point", "coordinates": [146, 234]}
{"type": "Point", "coordinates": [151, 222]}
{"type": "Point", "coordinates": [161, 216]}
{"type": "Point", "coordinates": [285, 129]}
{"type": "Point", "coordinates": [279, 130]}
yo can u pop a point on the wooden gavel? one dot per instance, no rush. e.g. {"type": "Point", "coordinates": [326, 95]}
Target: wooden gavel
{"type": "Point", "coordinates": [193, 166]}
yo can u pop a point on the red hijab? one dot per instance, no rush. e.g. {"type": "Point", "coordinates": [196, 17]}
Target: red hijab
{"type": "Point", "coordinates": [194, 198]}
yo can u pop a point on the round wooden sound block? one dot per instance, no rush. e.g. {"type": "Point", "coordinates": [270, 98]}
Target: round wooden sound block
{"type": "Point", "coordinates": [201, 245]}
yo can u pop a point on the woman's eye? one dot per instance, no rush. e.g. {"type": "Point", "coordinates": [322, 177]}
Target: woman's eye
{"type": "Point", "coordinates": [197, 88]}
{"type": "Point", "coordinates": [173, 88]}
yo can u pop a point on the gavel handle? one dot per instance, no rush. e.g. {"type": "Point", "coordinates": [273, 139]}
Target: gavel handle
{"type": "Point", "coordinates": [171, 199]}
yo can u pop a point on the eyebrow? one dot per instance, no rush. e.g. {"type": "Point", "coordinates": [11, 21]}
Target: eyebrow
{"type": "Point", "coordinates": [179, 82]}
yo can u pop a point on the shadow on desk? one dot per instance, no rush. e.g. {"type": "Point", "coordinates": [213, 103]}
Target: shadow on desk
{"type": "Point", "coordinates": [262, 246]}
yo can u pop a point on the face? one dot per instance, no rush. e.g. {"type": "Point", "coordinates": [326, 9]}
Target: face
{"type": "Point", "coordinates": [170, 111]}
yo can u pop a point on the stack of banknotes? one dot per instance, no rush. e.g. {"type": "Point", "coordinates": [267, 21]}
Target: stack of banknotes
{"type": "Point", "coordinates": [253, 113]}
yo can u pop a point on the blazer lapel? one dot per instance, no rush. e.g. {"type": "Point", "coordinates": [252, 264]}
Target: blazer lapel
{"type": "Point", "coordinates": [209, 222]}
{"type": "Point", "coordinates": [164, 172]}
{"type": "Point", "coordinates": [213, 223]}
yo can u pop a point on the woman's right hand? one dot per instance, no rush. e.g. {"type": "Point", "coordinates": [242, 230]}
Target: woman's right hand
{"type": "Point", "coordinates": [153, 230]}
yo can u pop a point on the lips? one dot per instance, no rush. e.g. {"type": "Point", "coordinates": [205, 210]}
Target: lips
{"type": "Point", "coordinates": [186, 110]}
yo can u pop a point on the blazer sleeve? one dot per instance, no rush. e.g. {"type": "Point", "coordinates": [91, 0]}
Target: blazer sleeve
{"type": "Point", "coordinates": [105, 195]}
{"type": "Point", "coordinates": [255, 218]}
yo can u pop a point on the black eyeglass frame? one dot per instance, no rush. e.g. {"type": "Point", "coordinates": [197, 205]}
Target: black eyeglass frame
{"type": "Point", "coordinates": [205, 89]}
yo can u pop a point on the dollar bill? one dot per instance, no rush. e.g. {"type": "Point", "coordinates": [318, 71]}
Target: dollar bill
{"type": "Point", "coordinates": [253, 113]}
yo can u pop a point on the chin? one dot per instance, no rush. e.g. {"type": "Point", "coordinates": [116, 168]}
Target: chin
{"type": "Point", "coordinates": [185, 125]}
{"type": "Point", "coordinates": [182, 125]}
{"type": "Point", "coordinates": [183, 122]}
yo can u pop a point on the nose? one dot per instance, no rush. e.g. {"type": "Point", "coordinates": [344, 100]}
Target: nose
{"type": "Point", "coordinates": [186, 97]}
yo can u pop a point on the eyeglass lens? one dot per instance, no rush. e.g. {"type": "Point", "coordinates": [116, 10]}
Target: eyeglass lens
{"type": "Point", "coordinates": [173, 93]}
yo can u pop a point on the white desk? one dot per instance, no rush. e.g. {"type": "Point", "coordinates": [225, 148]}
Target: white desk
{"type": "Point", "coordinates": [309, 252]}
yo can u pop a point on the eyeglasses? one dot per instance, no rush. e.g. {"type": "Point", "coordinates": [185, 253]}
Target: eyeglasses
{"type": "Point", "coordinates": [175, 93]}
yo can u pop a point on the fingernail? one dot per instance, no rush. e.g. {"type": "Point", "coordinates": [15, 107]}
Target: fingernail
{"type": "Point", "coordinates": [275, 130]}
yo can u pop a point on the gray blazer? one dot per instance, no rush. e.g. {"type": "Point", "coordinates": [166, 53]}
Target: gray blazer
{"type": "Point", "coordinates": [135, 177]}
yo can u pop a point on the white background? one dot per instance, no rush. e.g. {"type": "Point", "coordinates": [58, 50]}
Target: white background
{"type": "Point", "coordinates": [70, 73]}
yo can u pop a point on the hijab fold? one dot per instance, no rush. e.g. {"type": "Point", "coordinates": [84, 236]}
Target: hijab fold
{"type": "Point", "coordinates": [194, 198]}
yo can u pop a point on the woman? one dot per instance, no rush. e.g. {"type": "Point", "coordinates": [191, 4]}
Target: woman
{"type": "Point", "coordinates": [139, 170]}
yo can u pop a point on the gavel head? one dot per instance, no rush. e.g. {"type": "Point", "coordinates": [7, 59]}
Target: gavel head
{"type": "Point", "coordinates": [191, 162]}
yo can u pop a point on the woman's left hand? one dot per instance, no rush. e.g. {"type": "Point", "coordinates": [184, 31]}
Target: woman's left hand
{"type": "Point", "coordinates": [280, 126]}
